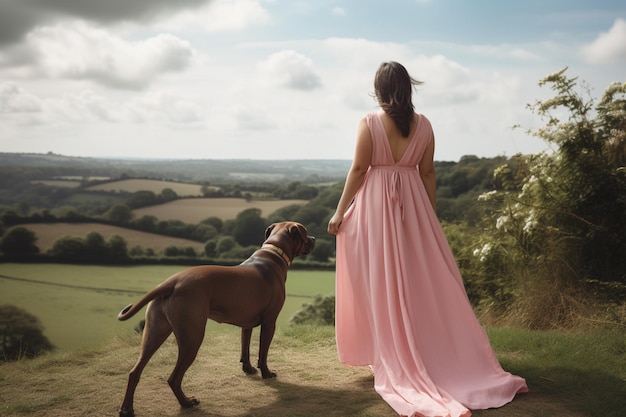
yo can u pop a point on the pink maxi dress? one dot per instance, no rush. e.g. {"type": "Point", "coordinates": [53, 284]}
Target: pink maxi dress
{"type": "Point", "coordinates": [401, 304]}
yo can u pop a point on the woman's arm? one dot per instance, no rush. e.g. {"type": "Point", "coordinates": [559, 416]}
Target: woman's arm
{"type": "Point", "coordinates": [427, 172]}
{"type": "Point", "coordinates": [360, 164]}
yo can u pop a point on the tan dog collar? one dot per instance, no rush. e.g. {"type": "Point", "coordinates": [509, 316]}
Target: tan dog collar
{"type": "Point", "coordinates": [277, 251]}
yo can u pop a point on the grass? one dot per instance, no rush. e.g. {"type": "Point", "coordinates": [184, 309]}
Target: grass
{"type": "Point", "coordinates": [568, 375]}
{"type": "Point", "coordinates": [78, 304]}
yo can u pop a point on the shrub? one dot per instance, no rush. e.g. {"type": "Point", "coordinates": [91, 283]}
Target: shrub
{"type": "Point", "coordinates": [562, 216]}
{"type": "Point", "coordinates": [321, 311]}
{"type": "Point", "coordinates": [19, 241]}
{"type": "Point", "coordinates": [21, 334]}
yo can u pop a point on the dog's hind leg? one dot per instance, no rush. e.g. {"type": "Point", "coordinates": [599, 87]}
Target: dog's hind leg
{"type": "Point", "coordinates": [267, 333]}
{"type": "Point", "coordinates": [246, 335]}
{"type": "Point", "coordinates": [155, 332]}
{"type": "Point", "coordinates": [189, 331]}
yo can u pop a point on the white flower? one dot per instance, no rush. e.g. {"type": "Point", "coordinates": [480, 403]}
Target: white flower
{"type": "Point", "coordinates": [487, 196]}
{"type": "Point", "coordinates": [502, 221]}
{"type": "Point", "coordinates": [531, 222]}
{"type": "Point", "coordinates": [483, 252]}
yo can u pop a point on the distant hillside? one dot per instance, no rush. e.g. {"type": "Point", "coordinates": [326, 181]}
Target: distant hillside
{"type": "Point", "coordinates": [189, 170]}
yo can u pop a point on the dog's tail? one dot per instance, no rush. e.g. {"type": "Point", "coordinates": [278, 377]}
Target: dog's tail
{"type": "Point", "coordinates": [161, 290]}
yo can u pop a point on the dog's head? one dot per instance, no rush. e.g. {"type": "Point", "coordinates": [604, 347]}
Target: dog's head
{"type": "Point", "coordinates": [291, 237]}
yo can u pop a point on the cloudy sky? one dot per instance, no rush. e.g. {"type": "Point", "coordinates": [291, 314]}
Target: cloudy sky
{"type": "Point", "coordinates": [286, 79]}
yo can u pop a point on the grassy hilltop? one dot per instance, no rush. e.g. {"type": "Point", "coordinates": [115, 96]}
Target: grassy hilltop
{"type": "Point", "coordinates": [571, 375]}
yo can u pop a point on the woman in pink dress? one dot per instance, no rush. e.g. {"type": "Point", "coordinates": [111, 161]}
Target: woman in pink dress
{"type": "Point", "coordinates": [401, 305]}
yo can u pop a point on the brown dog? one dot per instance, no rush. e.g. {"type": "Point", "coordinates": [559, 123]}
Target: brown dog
{"type": "Point", "coordinates": [246, 295]}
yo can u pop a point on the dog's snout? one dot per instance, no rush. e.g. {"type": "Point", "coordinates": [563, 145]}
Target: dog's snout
{"type": "Point", "coordinates": [310, 244]}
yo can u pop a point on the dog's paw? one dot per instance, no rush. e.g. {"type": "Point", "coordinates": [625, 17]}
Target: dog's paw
{"type": "Point", "coordinates": [124, 412]}
{"type": "Point", "coordinates": [268, 374]}
{"type": "Point", "coordinates": [249, 369]}
{"type": "Point", "coordinates": [190, 402]}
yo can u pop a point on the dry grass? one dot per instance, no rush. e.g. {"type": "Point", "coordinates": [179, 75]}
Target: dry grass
{"type": "Point", "coordinates": [93, 382]}
{"type": "Point", "coordinates": [194, 210]}
{"type": "Point", "coordinates": [48, 233]}
{"type": "Point", "coordinates": [310, 380]}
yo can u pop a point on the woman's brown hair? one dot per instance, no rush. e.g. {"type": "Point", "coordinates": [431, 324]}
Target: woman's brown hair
{"type": "Point", "coordinates": [393, 87]}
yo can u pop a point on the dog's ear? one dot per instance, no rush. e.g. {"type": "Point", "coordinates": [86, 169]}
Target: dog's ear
{"type": "Point", "coordinates": [269, 230]}
{"type": "Point", "coordinates": [298, 230]}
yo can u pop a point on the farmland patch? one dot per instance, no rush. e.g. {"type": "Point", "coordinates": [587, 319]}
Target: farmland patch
{"type": "Point", "coordinates": [57, 183]}
{"type": "Point", "coordinates": [156, 186]}
{"type": "Point", "coordinates": [194, 210]}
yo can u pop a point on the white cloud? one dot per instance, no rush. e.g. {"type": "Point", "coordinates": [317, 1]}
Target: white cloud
{"type": "Point", "coordinates": [88, 106]}
{"type": "Point", "coordinates": [338, 11]}
{"type": "Point", "coordinates": [609, 47]}
{"type": "Point", "coordinates": [252, 117]}
{"type": "Point", "coordinates": [217, 16]}
{"type": "Point", "coordinates": [291, 70]}
{"type": "Point", "coordinates": [15, 100]}
{"type": "Point", "coordinates": [81, 51]}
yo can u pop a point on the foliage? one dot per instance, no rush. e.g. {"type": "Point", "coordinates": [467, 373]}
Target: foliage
{"type": "Point", "coordinates": [188, 252]}
{"type": "Point", "coordinates": [119, 213]}
{"type": "Point", "coordinates": [21, 334]}
{"type": "Point", "coordinates": [560, 228]}
{"type": "Point", "coordinates": [92, 248]}
{"type": "Point", "coordinates": [19, 241]}
{"type": "Point", "coordinates": [249, 227]}
{"type": "Point", "coordinates": [321, 311]}
{"type": "Point", "coordinates": [324, 249]}
{"type": "Point", "coordinates": [296, 191]}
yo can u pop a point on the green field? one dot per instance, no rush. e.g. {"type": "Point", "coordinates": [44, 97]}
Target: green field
{"type": "Point", "coordinates": [78, 304]}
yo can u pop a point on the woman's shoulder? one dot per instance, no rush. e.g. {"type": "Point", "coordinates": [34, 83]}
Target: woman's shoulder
{"type": "Point", "coordinates": [423, 120]}
{"type": "Point", "coordinates": [374, 114]}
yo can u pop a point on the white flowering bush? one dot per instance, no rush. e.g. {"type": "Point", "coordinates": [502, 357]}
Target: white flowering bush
{"type": "Point", "coordinates": [558, 227]}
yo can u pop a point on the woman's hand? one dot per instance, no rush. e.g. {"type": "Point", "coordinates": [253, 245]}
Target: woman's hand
{"type": "Point", "coordinates": [334, 223]}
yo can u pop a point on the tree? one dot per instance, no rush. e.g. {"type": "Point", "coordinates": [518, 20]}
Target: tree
{"type": "Point", "coordinates": [95, 245]}
{"type": "Point", "coordinates": [215, 222]}
{"type": "Point", "coordinates": [118, 248]}
{"type": "Point", "coordinates": [119, 213]}
{"type": "Point", "coordinates": [19, 241]}
{"type": "Point", "coordinates": [249, 227]}
{"type": "Point", "coordinates": [143, 199]}
{"type": "Point", "coordinates": [323, 250]}
{"type": "Point", "coordinates": [575, 196]}
{"type": "Point", "coordinates": [284, 213]}
{"type": "Point", "coordinates": [147, 223]}
{"type": "Point", "coordinates": [225, 244]}
{"type": "Point", "coordinates": [21, 334]}
{"type": "Point", "coordinates": [204, 232]}
{"type": "Point", "coordinates": [69, 247]}
{"type": "Point", "coordinates": [167, 194]}
{"type": "Point", "coordinates": [210, 249]}
{"type": "Point", "coordinates": [562, 223]}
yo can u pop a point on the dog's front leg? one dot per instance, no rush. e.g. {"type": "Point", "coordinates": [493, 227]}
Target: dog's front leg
{"type": "Point", "coordinates": [246, 335]}
{"type": "Point", "coordinates": [267, 334]}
